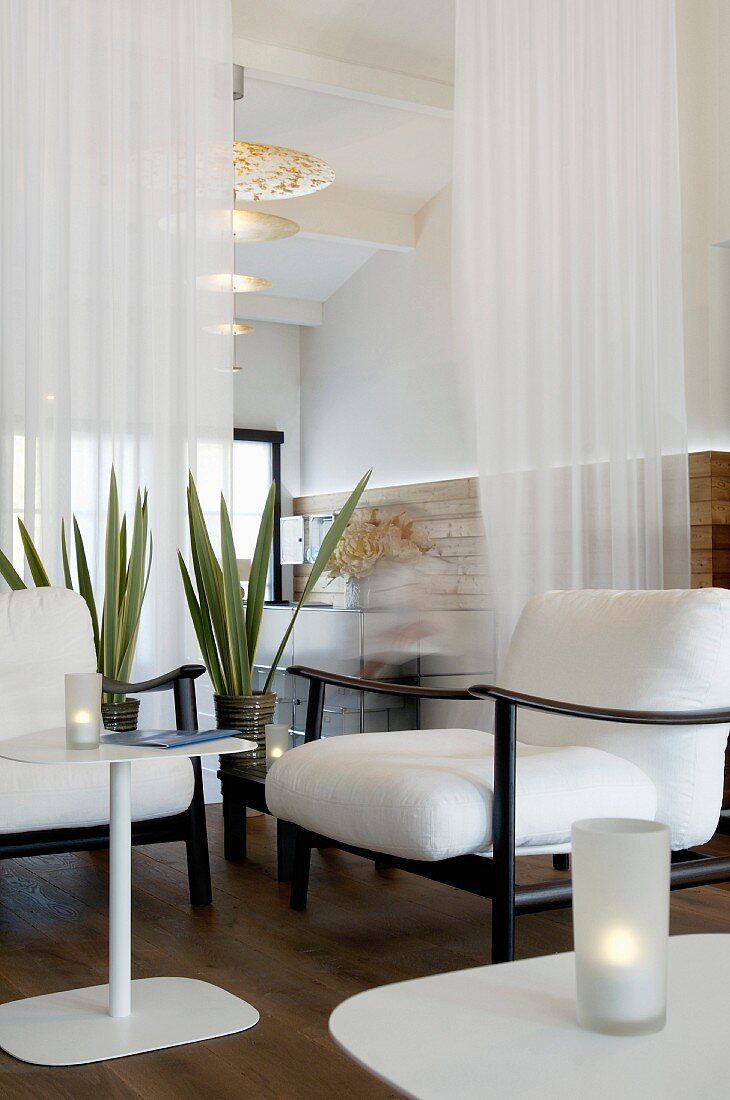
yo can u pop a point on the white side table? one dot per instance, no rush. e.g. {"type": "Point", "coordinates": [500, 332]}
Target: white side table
{"type": "Point", "coordinates": [509, 1032]}
{"type": "Point", "coordinates": [125, 1016]}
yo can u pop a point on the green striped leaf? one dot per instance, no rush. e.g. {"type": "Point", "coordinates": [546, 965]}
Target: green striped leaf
{"type": "Point", "coordinates": [234, 615]}
{"type": "Point", "coordinates": [8, 573]}
{"type": "Point", "coordinates": [37, 569]}
{"type": "Point", "coordinates": [210, 586]}
{"type": "Point", "coordinates": [136, 575]}
{"type": "Point", "coordinates": [122, 559]}
{"type": "Point", "coordinates": [202, 630]}
{"type": "Point", "coordinates": [329, 542]}
{"type": "Point", "coordinates": [64, 558]}
{"type": "Point", "coordinates": [110, 614]}
{"type": "Point", "coordinates": [85, 589]}
{"type": "Point", "coordinates": [258, 575]}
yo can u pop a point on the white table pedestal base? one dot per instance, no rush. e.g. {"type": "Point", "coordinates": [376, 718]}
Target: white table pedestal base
{"type": "Point", "coordinates": [74, 1028]}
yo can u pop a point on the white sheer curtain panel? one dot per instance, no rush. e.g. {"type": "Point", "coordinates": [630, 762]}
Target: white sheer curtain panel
{"type": "Point", "coordinates": [567, 265]}
{"type": "Point", "coordinates": [115, 197]}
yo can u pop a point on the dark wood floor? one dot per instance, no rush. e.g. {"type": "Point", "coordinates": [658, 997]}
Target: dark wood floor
{"type": "Point", "coordinates": [362, 929]}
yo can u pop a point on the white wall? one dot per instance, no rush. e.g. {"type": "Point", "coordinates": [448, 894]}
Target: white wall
{"type": "Point", "coordinates": [378, 378]}
{"type": "Point", "coordinates": [266, 393]}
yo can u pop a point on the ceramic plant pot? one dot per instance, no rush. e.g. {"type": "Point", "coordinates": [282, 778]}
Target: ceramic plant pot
{"type": "Point", "coordinates": [249, 714]}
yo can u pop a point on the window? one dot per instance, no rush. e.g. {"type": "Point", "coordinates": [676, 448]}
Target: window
{"type": "Point", "coordinates": [256, 462]}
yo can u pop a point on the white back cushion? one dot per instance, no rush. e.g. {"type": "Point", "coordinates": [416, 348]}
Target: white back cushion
{"type": "Point", "coordinates": [636, 651]}
{"type": "Point", "coordinates": [44, 633]}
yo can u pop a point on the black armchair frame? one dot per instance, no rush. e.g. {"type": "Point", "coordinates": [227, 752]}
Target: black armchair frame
{"type": "Point", "coordinates": [494, 877]}
{"type": "Point", "coordinates": [189, 826]}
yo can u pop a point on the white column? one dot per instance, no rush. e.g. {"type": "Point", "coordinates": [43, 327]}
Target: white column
{"type": "Point", "coordinates": [120, 888]}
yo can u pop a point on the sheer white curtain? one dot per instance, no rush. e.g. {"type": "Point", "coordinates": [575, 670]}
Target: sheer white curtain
{"type": "Point", "coordinates": [567, 265]}
{"type": "Point", "coordinates": [116, 179]}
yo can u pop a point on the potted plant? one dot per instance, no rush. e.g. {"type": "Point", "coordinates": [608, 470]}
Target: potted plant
{"type": "Point", "coordinates": [227, 629]}
{"type": "Point", "coordinates": [125, 584]}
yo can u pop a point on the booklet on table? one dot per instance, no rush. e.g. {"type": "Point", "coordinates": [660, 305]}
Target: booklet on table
{"type": "Point", "coordinates": [166, 739]}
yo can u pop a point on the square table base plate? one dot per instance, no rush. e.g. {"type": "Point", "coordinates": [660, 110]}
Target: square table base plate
{"type": "Point", "coordinates": [74, 1028]}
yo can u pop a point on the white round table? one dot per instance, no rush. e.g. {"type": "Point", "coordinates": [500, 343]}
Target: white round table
{"type": "Point", "coordinates": [123, 1017]}
{"type": "Point", "coordinates": [509, 1032]}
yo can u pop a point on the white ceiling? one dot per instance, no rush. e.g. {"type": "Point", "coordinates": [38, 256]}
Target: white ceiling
{"type": "Point", "coordinates": [406, 36]}
{"type": "Point", "coordinates": [299, 267]}
{"type": "Point", "coordinates": [383, 158]}
{"type": "Point", "coordinates": [386, 158]}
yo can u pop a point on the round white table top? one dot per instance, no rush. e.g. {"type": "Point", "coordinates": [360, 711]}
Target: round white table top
{"type": "Point", "coordinates": [510, 1032]}
{"type": "Point", "coordinates": [49, 747]}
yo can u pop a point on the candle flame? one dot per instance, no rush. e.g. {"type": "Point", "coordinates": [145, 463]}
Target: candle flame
{"type": "Point", "coordinates": [83, 717]}
{"type": "Point", "coordinates": [620, 947]}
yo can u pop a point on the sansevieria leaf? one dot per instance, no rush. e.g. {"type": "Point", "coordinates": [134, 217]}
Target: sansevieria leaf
{"type": "Point", "coordinates": [210, 584]}
{"type": "Point", "coordinates": [259, 572]}
{"type": "Point", "coordinates": [85, 589]}
{"type": "Point", "coordinates": [37, 569]}
{"type": "Point", "coordinates": [110, 615]}
{"type": "Point", "coordinates": [8, 573]}
{"type": "Point", "coordinates": [67, 579]}
{"type": "Point", "coordinates": [329, 542]}
{"type": "Point", "coordinates": [235, 621]}
{"type": "Point", "coordinates": [203, 631]}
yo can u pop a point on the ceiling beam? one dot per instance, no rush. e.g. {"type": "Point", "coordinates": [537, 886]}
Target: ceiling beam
{"type": "Point", "coordinates": [345, 222]}
{"type": "Point", "coordinates": [281, 311]}
{"type": "Point", "coordinates": [281, 65]}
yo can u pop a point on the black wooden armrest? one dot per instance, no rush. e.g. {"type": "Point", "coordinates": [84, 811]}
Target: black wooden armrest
{"type": "Point", "coordinates": [379, 687]}
{"type": "Point", "coordinates": [575, 710]}
{"type": "Point", "coordinates": [160, 683]}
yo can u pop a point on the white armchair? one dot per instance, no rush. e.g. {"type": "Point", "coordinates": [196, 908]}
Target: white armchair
{"type": "Point", "coordinates": [45, 633]}
{"type": "Point", "coordinates": [649, 670]}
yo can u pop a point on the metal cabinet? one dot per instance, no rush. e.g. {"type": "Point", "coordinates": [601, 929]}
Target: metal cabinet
{"type": "Point", "coordinates": [447, 648]}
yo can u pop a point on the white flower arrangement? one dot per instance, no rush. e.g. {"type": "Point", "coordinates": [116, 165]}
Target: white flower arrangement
{"type": "Point", "coordinates": [365, 542]}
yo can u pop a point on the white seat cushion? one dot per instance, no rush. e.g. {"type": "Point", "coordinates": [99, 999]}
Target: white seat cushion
{"type": "Point", "coordinates": [50, 796]}
{"type": "Point", "coordinates": [428, 794]}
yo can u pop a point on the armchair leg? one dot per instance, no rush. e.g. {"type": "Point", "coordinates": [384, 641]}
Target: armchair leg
{"type": "Point", "coordinates": [196, 844]}
{"type": "Point", "coordinates": [286, 834]}
{"type": "Point", "coordinates": [503, 894]}
{"type": "Point", "coordinates": [561, 861]}
{"type": "Point", "coordinates": [503, 926]}
{"type": "Point", "coordinates": [300, 870]}
{"type": "Point", "coordinates": [234, 831]}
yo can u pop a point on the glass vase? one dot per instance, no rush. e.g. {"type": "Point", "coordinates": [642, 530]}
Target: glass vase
{"type": "Point", "coordinates": [357, 593]}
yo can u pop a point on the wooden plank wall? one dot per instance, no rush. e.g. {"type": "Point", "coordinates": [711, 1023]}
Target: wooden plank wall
{"type": "Point", "coordinates": [709, 494]}
{"type": "Point", "coordinates": [446, 513]}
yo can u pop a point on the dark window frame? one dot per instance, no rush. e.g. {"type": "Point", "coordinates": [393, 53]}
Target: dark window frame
{"type": "Point", "coordinates": [276, 439]}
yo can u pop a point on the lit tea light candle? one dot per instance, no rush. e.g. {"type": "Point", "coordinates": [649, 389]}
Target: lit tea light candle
{"type": "Point", "coordinates": [621, 924]}
{"type": "Point", "coordinates": [83, 710]}
{"type": "Point", "coordinates": [277, 742]}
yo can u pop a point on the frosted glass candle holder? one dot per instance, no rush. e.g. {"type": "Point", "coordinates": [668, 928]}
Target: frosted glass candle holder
{"type": "Point", "coordinates": [277, 742]}
{"type": "Point", "coordinates": [83, 710]}
{"type": "Point", "coordinates": [621, 924]}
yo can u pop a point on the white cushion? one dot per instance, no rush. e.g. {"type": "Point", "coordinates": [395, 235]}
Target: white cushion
{"type": "Point", "coordinates": [45, 633]}
{"type": "Point", "coordinates": [67, 796]}
{"type": "Point", "coordinates": [428, 794]}
{"type": "Point", "coordinates": [636, 651]}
